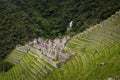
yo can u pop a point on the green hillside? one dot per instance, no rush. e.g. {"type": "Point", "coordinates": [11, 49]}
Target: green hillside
{"type": "Point", "coordinates": [97, 57]}
{"type": "Point", "coordinates": [23, 20]}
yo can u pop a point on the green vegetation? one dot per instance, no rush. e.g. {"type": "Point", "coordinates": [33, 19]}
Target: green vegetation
{"type": "Point", "coordinates": [23, 20]}
{"type": "Point", "coordinates": [97, 57]}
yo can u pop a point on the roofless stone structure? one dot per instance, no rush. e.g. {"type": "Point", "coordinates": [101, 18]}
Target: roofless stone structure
{"type": "Point", "coordinates": [52, 51]}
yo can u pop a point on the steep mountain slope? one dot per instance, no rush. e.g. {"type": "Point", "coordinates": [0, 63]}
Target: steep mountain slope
{"type": "Point", "coordinates": [97, 57]}
{"type": "Point", "coordinates": [23, 20]}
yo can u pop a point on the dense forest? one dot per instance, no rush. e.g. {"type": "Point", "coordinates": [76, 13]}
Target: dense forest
{"type": "Point", "coordinates": [23, 20]}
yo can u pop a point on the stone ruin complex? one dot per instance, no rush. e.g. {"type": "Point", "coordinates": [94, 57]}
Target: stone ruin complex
{"type": "Point", "coordinates": [52, 51]}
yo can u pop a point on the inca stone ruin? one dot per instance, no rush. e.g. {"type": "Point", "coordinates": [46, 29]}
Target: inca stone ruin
{"type": "Point", "coordinates": [52, 51]}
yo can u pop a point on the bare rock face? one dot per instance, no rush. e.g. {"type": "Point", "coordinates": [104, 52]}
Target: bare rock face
{"type": "Point", "coordinates": [53, 49]}
{"type": "Point", "coordinates": [69, 27]}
